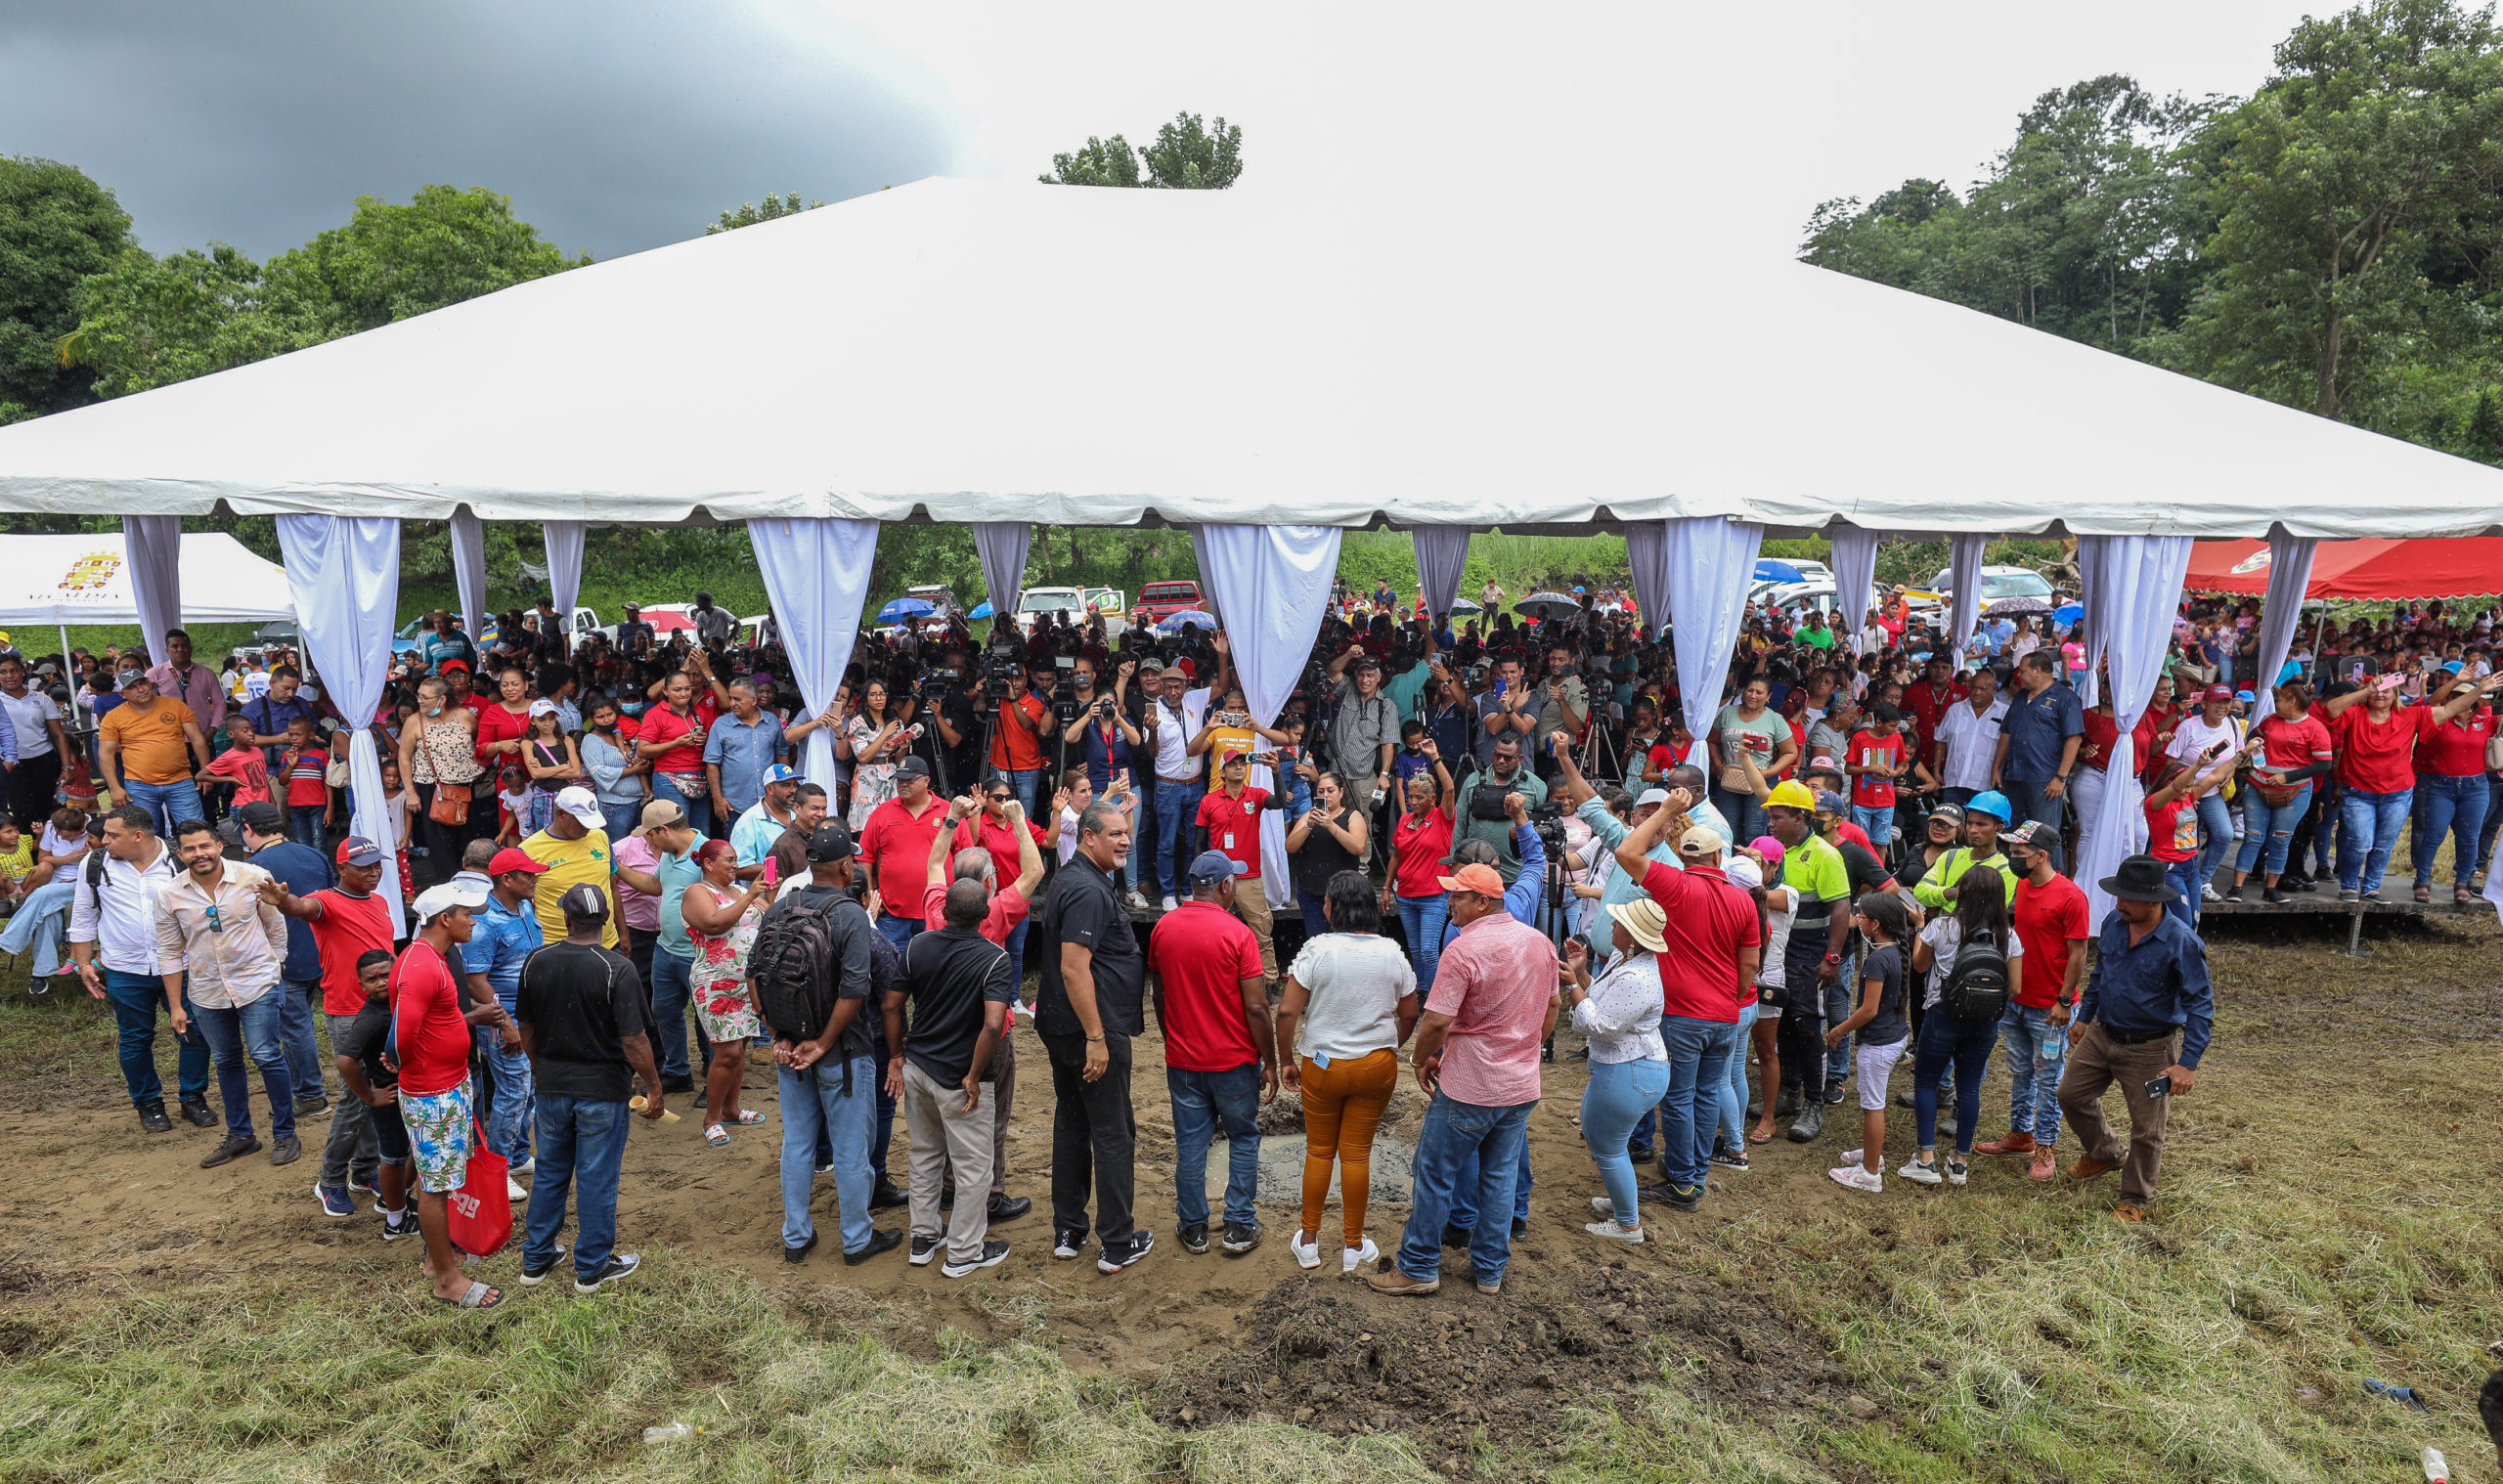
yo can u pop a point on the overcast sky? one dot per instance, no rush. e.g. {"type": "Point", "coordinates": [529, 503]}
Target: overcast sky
{"type": "Point", "coordinates": [622, 124]}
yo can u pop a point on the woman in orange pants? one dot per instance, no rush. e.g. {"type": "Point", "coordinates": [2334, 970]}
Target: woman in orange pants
{"type": "Point", "coordinates": [1350, 1002]}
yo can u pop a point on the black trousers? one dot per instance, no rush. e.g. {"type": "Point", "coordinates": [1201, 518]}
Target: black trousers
{"type": "Point", "coordinates": [1094, 1139]}
{"type": "Point", "coordinates": [31, 786]}
{"type": "Point", "coordinates": [1801, 1040]}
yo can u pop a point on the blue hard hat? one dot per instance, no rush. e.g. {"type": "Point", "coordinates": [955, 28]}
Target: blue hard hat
{"type": "Point", "coordinates": [1994, 804]}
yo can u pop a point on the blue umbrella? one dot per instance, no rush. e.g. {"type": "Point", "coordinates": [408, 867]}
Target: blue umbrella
{"type": "Point", "coordinates": [2068, 614]}
{"type": "Point", "coordinates": [1769, 571]}
{"type": "Point", "coordinates": [982, 612]}
{"type": "Point", "coordinates": [1173, 623]}
{"type": "Point", "coordinates": [904, 608]}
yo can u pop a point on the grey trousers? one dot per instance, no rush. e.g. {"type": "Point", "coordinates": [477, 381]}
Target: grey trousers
{"type": "Point", "coordinates": [941, 1130]}
{"type": "Point", "coordinates": [352, 1147]}
{"type": "Point", "coordinates": [1000, 1094]}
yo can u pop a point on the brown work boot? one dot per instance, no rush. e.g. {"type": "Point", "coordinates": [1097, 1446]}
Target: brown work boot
{"type": "Point", "coordinates": [2017, 1142]}
{"type": "Point", "coordinates": [2130, 1212]}
{"type": "Point", "coordinates": [2087, 1167]}
{"type": "Point", "coordinates": [1401, 1284]}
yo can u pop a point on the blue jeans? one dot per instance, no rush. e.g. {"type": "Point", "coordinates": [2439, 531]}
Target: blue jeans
{"type": "Point", "coordinates": [250, 1030]}
{"type": "Point", "coordinates": [814, 1104]}
{"type": "Point", "coordinates": [1951, 1040]}
{"type": "Point", "coordinates": [623, 818]}
{"type": "Point", "coordinates": [2485, 835]}
{"type": "Point", "coordinates": [1838, 1009]}
{"type": "Point", "coordinates": [2215, 821]}
{"type": "Point", "coordinates": [1619, 1095]}
{"type": "Point", "coordinates": [1025, 782]}
{"type": "Point", "coordinates": [1423, 918]}
{"type": "Point", "coordinates": [1464, 1196]}
{"type": "Point", "coordinates": [2184, 877]}
{"type": "Point", "coordinates": [137, 998]}
{"type": "Point", "coordinates": [2453, 806]}
{"type": "Point", "coordinates": [511, 1112]}
{"type": "Point", "coordinates": [1176, 806]}
{"type": "Point", "coordinates": [1315, 921]}
{"type": "Point", "coordinates": [2368, 828]}
{"type": "Point", "coordinates": [582, 1144]}
{"type": "Point", "coordinates": [1876, 822]}
{"type": "Point", "coordinates": [296, 999]}
{"type": "Point", "coordinates": [1690, 1110]}
{"type": "Point", "coordinates": [40, 921]}
{"type": "Point", "coordinates": [2026, 800]}
{"type": "Point", "coordinates": [1733, 1087]}
{"type": "Point", "coordinates": [897, 931]}
{"type": "Point", "coordinates": [2036, 1050]}
{"type": "Point", "coordinates": [170, 803]}
{"type": "Point", "coordinates": [1455, 1138]}
{"type": "Point", "coordinates": [1744, 811]}
{"type": "Point", "coordinates": [672, 991]}
{"type": "Point", "coordinates": [2268, 828]}
{"type": "Point", "coordinates": [304, 823]}
{"type": "Point", "coordinates": [698, 804]}
{"type": "Point", "coordinates": [1202, 1102]}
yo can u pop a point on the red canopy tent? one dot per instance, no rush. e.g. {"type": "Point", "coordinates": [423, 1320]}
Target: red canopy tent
{"type": "Point", "coordinates": [2430, 567]}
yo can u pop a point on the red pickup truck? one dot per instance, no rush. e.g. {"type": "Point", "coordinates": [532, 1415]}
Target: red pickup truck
{"type": "Point", "coordinates": [1158, 601]}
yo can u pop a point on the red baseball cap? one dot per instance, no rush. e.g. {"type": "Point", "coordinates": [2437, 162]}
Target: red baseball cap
{"type": "Point", "coordinates": [2217, 693]}
{"type": "Point", "coordinates": [513, 861]}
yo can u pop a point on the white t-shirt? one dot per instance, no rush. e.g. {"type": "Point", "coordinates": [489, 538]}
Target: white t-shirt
{"type": "Point", "coordinates": [2192, 737]}
{"type": "Point", "coordinates": [1173, 758]}
{"type": "Point", "coordinates": [1356, 981]}
{"type": "Point", "coordinates": [1944, 934]}
{"type": "Point", "coordinates": [27, 714]}
{"type": "Point", "coordinates": [1971, 743]}
{"type": "Point", "coordinates": [1777, 939]}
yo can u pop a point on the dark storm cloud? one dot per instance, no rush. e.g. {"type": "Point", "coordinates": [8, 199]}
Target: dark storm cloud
{"type": "Point", "coordinates": [612, 126]}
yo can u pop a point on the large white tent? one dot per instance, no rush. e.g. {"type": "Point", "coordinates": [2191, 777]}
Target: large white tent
{"type": "Point", "coordinates": [88, 580]}
{"type": "Point", "coordinates": [991, 351]}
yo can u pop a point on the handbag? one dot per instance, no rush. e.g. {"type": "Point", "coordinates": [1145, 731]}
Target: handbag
{"type": "Point", "coordinates": [2494, 753]}
{"type": "Point", "coordinates": [480, 1212]}
{"type": "Point", "coordinates": [335, 775]}
{"type": "Point", "coordinates": [451, 805]}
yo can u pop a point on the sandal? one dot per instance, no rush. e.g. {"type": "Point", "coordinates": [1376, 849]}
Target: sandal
{"type": "Point", "coordinates": [717, 1136]}
{"type": "Point", "coordinates": [477, 1296]}
{"type": "Point", "coordinates": [1760, 1135]}
{"type": "Point", "coordinates": [748, 1116]}
{"type": "Point", "coordinates": [2462, 897]}
{"type": "Point", "coordinates": [2424, 895]}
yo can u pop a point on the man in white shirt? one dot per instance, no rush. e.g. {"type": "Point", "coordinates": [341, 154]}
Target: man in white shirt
{"type": "Point", "coordinates": [1871, 638]}
{"type": "Point", "coordinates": [1171, 719]}
{"type": "Point", "coordinates": [1969, 739]}
{"type": "Point", "coordinates": [222, 950]}
{"type": "Point", "coordinates": [113, 940]}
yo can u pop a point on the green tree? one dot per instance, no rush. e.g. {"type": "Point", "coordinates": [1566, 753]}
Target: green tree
{"type": "Point", "coordinates": [749, 215]}
{"type": "Point", "coordinates": [2356, 224]}
{"type": "Point", "coordinates": [1187, 156]}
{"type": "Point", "coordinates": [1099, 163]}
{"type": "Point", "coordinates": [57, 226]}
{"type": "Point", "coordinates": [148, 322]}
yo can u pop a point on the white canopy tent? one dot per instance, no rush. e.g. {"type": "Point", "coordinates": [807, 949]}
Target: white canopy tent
{"type": "Point", "coordinates": [87, 579]}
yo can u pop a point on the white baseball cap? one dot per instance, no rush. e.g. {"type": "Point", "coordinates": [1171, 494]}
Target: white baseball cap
{"type": "Point", "coordinates": [579, 803]}
{"type": "Point", "coordinates": [434, 902]}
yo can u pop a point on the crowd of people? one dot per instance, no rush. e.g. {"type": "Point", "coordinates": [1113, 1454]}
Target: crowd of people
{"type": "Point", "coordinates": [1471, 837]}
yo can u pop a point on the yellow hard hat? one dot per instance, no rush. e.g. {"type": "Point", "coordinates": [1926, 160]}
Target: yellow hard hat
{"type": "Point", "coordinates": [1791, 794]}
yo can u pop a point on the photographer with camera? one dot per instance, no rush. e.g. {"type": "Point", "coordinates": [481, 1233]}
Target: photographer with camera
{"type": "Point", "coordinates": [1503, 713]}
{"type": "Point", "coordinates": [1564, 706]}
{"type": "Point", "coordinates": [1022, 724]}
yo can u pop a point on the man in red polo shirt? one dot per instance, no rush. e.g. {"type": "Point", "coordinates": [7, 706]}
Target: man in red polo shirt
{"type": "Point", "coordinates": [895, 847]}
{"type": "Point", "coordinates": [1220, 1048]}
{"type": "Point", "coordinates": [1927, 700]}
{"type": "Point", "coordinates": [1230, 821]}
{"type": "Point", "coordinates": [1715, 947]}
{"type": "Point", "coordinates": [2050, 920]}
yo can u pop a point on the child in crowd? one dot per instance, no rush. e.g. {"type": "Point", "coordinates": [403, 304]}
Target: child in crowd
{"type": "Point", "coordinates": [513, 795]}
{"type": "Point", "coordinates": [305, 764]}
{"type": "Point", "coordinates": [243, 772]}
{"type": "Point", "coordinates": [1883, 1032]}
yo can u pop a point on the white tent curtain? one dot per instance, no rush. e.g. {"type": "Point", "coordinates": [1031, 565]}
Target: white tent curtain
{"type": "Point", "coordinates": [1855, 575]}
{"type": "Point", "coordinates": [2090, 631]}
{"type": "Point", "coordinates": [1705, 565]}
{"type": "Point", "coordinates": [2137, 587]}
{"type": "Point", "coordinates": [816, 575]}
{"type": "Point", "coordinates": [2289, 576]}
{"type": "Point", "coordinates": [343, 572]}
{"type": "Point", "coordinates": [1273, 582]}
{"type": "Point", "coordinates": [564, 539]}
{"type": "Point", "coordinates": [1964, 575]}
{"type": "Point", "coordinates": [1442, 551]}
{"type": "Point", "coordinates": [469, 572]}
{"type": "Point", "coordinates": [1002, 545]}
{"type": "Point", "coordinates": [154, 545]}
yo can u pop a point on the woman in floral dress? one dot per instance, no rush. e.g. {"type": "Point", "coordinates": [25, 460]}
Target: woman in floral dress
{"type": "Point", "coordinates": [721, 922]}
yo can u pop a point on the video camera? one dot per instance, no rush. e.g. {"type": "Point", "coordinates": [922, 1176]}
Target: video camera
{"type": "Point", "coordinates": [1064, 692]}
{"type": "Point", "coordinates": [1003, 675]}
{"type": "Point", "coordinates": [1548, 819]}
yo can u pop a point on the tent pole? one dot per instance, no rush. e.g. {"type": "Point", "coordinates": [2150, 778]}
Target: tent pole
{"type": "Point", "coordinates": [64, 648]}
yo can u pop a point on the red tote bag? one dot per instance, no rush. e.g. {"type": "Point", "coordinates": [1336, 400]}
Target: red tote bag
{"type": "Point", "coordinates": [481, 1212]}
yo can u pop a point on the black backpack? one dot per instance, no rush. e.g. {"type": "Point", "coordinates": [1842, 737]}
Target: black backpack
{"type": "Point", "coordinates": [1978, 989]}
{"type": "Point", "coordinates": [793, 963]}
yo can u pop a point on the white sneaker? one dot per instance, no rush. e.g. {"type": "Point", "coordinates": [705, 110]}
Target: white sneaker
{"type": "Point", "coordinates": [1600, 1205]}
{"type": "Point", "coordinates": [1136, 901]}
{"type": "Point", "coordinates": [1352, 1259]}
{"type": "Point", "coordinates": [1307, 1255]}
{"type": "Point", "coordinates": [1170, 903]}
{"type": "Point", "coordinates": [1853, 1177]}
{"type": "Point", "coordinates": [513, 1190]}
{"type": "Point", "coordinates": [2208, 892]}
{"type": "Point", "coordinates": [1632, 1236]}
{"type": "Point", "coordinates": [1919, 1173]}
{"type": "Point", "coordinates": [1853, 1156]}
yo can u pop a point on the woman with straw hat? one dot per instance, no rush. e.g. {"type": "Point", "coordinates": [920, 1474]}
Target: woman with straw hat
{"type": "Point", "coordinates": [1620, 1016]}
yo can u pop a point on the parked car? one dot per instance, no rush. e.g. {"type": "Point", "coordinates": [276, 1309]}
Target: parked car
{"type": "Point", "coordinates": [1112, 606]}
{"type": "Point", "coordinates": [1158, 601]}
{"type": "Point", "coordinates": [1040, 602]}
{"type": "Point", "coordinates": [1800, 597]}
{"type": "Point", "coordinates": [1997, 582]}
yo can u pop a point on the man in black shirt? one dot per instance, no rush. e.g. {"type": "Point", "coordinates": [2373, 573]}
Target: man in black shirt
{"type": "Point", "coordinates": [829, 1080]}
{"type": "Point", "coordinates": [582, 1022]}
{"type": "Point", "coordinates": [1091, 1002]}
{"type": "Point", "coordinates": [960, 984]}
{"type": "Point", "coordinates": [372, 1082]}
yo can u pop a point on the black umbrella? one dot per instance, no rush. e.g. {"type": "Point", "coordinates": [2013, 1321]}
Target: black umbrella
{"type": "Point", "coordinates": [2010, 608]}
{"type": "Point", "coordinates": [1550, 607]}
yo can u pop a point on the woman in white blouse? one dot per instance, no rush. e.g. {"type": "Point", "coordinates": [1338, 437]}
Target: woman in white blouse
{"type": "Point", "coordinates": [1620, 1016]}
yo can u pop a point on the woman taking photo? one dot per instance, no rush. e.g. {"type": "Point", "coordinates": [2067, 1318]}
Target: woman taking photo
{"type": "Point", "coordinates": [608, 755]}
{"type": "Point", "coordinates": [1418, 842]}
{"type": "Point", "coordinates": [877, 734]}
{"type": "Point", "coordinates": [437, 752]}
{"type": "Point", "coordinates": [550, 757]}
{"type": "Point", "coordinates": [1620, 1017]}
{"type": "Point", "coordinates": [721, 922]}
{"type": "Point", "coordinates": [1349, 1003]}
{"type": "Point", "coordinates": [1327, 839]}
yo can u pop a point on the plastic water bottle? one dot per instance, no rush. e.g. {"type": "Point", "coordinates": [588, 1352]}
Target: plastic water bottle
{"type": "Point", "coordinates": [2436, 1471]}
{"type": "Point", "coordinates": [673, 1432]}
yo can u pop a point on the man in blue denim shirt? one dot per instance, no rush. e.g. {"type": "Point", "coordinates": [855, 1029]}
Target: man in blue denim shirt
{"type": "Point", "coordinates": [739, 750]}
{"type": "Point", "coordinates": [2150, 981]}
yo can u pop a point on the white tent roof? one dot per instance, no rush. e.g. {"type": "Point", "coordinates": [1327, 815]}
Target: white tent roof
{"type": "Point", "coordinates": [971, 351]}
{"type": "Point", "coordinates": [86, 580]}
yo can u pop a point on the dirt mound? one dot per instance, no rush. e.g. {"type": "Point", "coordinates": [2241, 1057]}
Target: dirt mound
{"type": "Point", "coordinates": [1336, 1357]}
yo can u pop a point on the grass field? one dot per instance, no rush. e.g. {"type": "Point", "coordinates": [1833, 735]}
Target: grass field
{"type": "Point", "coordinates": [2329, 1211]}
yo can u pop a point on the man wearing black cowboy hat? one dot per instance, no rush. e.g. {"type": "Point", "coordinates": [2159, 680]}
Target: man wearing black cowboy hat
{"type": "Point", "coordinates": [2150, 981]}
